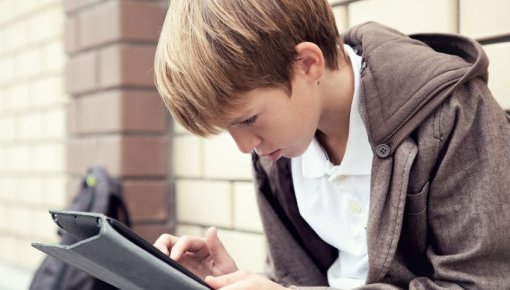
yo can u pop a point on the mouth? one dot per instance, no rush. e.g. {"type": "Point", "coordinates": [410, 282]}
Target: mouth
{"type": "Point", "coordinates": [273, 155]}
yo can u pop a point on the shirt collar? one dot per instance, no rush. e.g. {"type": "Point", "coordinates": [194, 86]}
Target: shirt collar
{"type": "Point", "coordinates": [358, 154]}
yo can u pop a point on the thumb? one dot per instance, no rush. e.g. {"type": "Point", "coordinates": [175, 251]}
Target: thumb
{"type": "Point", "coordinates": [225, 280]}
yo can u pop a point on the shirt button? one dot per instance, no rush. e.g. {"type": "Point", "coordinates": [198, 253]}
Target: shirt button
{"type": "Point", "coordinates": [355, 207]}
{"type": "Point", "coordinates": [382, 150]}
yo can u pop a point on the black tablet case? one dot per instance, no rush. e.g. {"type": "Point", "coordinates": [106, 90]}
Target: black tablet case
{"type": "Point", "coordinates": [113, 253]}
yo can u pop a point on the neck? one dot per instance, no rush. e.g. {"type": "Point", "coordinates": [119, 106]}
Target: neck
{"type": "Point", "coordinates": [337, 89]}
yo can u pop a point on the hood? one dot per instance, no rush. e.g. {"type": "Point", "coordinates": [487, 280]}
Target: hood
{"type": "Point", "coordinates": [407, 77]}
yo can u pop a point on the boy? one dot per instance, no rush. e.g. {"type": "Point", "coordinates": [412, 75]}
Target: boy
{"type": "Point", "coordinates": [381, 163]}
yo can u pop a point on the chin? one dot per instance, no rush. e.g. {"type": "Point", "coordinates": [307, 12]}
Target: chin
{"type": "Point", "coordinates": [292, 154]}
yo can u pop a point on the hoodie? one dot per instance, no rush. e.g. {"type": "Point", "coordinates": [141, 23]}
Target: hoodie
{"type": "Point", "coordinates": [440, 194]}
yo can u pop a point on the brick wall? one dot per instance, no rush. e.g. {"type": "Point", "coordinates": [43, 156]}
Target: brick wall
{"type": "Point", "coordinates": [32, 126]}
{"type": "Point", "coordinates": [115, 116]}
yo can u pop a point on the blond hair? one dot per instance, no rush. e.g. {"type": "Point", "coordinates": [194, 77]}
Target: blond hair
{"type": "Point", "coordinates": [210, 51]}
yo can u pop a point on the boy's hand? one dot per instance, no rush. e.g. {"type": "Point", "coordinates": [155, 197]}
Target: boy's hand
{"type": "Point", "coordinates": [201, 256]}
{"type": "Point", "coordinates": [242, 280]}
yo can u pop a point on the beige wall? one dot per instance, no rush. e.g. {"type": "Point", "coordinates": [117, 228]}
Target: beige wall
{"type": "Point", "coordinates": [32, 126]}
{"type": "Point", "coordinates": [213, 179]}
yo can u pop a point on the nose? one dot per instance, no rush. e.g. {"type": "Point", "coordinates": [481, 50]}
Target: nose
{"type": "Point", "coordinates": [245, 140]}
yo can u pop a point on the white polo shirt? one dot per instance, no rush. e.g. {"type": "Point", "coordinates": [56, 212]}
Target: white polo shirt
{"type": "Point", "coordinates": [334, 200]}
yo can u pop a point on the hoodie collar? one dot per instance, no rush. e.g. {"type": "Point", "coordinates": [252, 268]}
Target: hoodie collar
{"type": "Point", "coordinates": [407, 78]}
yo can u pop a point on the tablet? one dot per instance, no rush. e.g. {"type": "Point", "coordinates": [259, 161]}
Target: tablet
{"type": "Point", "coordinates": [112, 252]}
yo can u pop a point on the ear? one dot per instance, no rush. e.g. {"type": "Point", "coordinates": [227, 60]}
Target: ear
{"type": "Point", "coordinates": [309, 61]}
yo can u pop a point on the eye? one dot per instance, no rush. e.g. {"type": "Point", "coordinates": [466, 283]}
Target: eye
{"type": "Point", "coordinates": [249, 121]}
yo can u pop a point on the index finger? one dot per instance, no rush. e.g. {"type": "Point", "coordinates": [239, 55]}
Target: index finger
{"type": "Point", "coordinates": [165, 242]}
{"type": "Point", "coordinates": [189, 244]}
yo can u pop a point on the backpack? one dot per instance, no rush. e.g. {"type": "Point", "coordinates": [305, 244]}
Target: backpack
{"type": "Point", "coordinates": [98, 193]}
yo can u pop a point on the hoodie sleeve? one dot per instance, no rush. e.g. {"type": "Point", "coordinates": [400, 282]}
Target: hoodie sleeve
{"type": "Point", "coordinates": [469, 198]}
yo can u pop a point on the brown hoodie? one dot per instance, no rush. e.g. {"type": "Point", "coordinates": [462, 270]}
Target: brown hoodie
{"type": "Point", "coordinates": [440, 194]}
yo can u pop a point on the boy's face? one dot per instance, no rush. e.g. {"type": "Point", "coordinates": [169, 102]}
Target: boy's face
{"type": "Point", "coordinates": [275, 124]}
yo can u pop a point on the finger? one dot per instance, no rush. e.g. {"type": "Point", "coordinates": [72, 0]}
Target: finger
{"type": "Point", "coordinates": [164, 243]}
{"type": "Point", "coordinates": [195, 245]}
{"type": "Point", "coordinates": [224, 280]}
{"type": "Point", "coordinates": [218, 252]}
{"type": "Point", "coordinates": [213, 242]}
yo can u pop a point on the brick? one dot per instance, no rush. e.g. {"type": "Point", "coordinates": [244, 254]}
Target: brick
{"type": "Point", "coordinates": [7, 73]}
{"type": "Point", "coordinates": [14, 37]}
{"type": "Point", "coordinates": [484, 18]}
{"type": "Point", "coordinates": [54, 195]}
{"type": "Point", "coordinates": [82, 153]}
{"type": "Point", "coordinates": [99, 25]}
{"type": "Point", "coordinates": [498, 72]}
{"type": "Point", "coordinates": [18, 95]}
{"type": "Point", "coordinates": [71, 6]}
{"type": "Point", "coordinates": [48, 157]}
{"type": "Point", "coordinates": [71, 37]}
{"type": "Point", "coordinates": [145, 156]}
{"type": "Point", "coordinates": [29, 126]}
{"type": "Point", "coordinates": [118, 111]}
{"type": "Point", "coordinates": [204, 203]}
{"type": "Point", "coordinates": [46, 24]}
{"type": "Point", "coordinates": [187, 156]}
{"type": "Point", "coordinates": [150, 232]}
{"type": "Point", "coordinates": [189, 230]}
{"type": "Point", "coordinates": [97, 113]}
{"type": "Point", "coordinates": [222, 159]}
{"type": "Point", "coordinates": [410, 17]}
{"type": "Point", "coordinates": [9, 186]}
{"type": "Point", "coordinates": [20, 222]}
{"type": "Point", "coordinates": [149, 17]}
{"type": "Point", "coordinates": [126, 65]}
{"type": "Point", "coordinates": [81, 73]}
{"type": "Point", "coordinates": [248, 250]}
{"type": "Point", "coordinates": [146, 199]}
{"type": "Point", "coordinates": [8, 129]}
{"type": "Point", "coordinates": [143, 111]}
{"type": "Point", "coordinates": [42, 226]}
{"type": "Point", "coordinates": [53, 88]}
{"type": "Point", "coordinates": [113, 21]}
{"type": "Point", "coordinates": [28, 63]}
{"type": "Point", "coordinates": [73, 184]}
{"type": "Point", "coordinates": [3, 216]}
{"type": "Point", "coordinates": [28, 258]}
{"type": "Point", "coordinates": [19, 158]}
{"type": "Point", "coordinates": [2, 161]}
{"type": "Point", "coordinates": [53, 124]}
{"type": "Point", "coordinates": [30, 190]}
{"type": "Point", "coordinates": [5, 13]}
{"type": "Point", "coordinates": [2, 101]}
{"type": "Point", "coordinates": [53, 57]}
{"type": "Point", "coordinates": [121, 156]}
{"type": "Point", "coordinates": [246, 213]}
{"type": "Point", "coordinates": [6, 250]}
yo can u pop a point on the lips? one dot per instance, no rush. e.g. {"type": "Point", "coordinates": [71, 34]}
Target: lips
{"type": "Point", "coordinates": [273, 155]}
